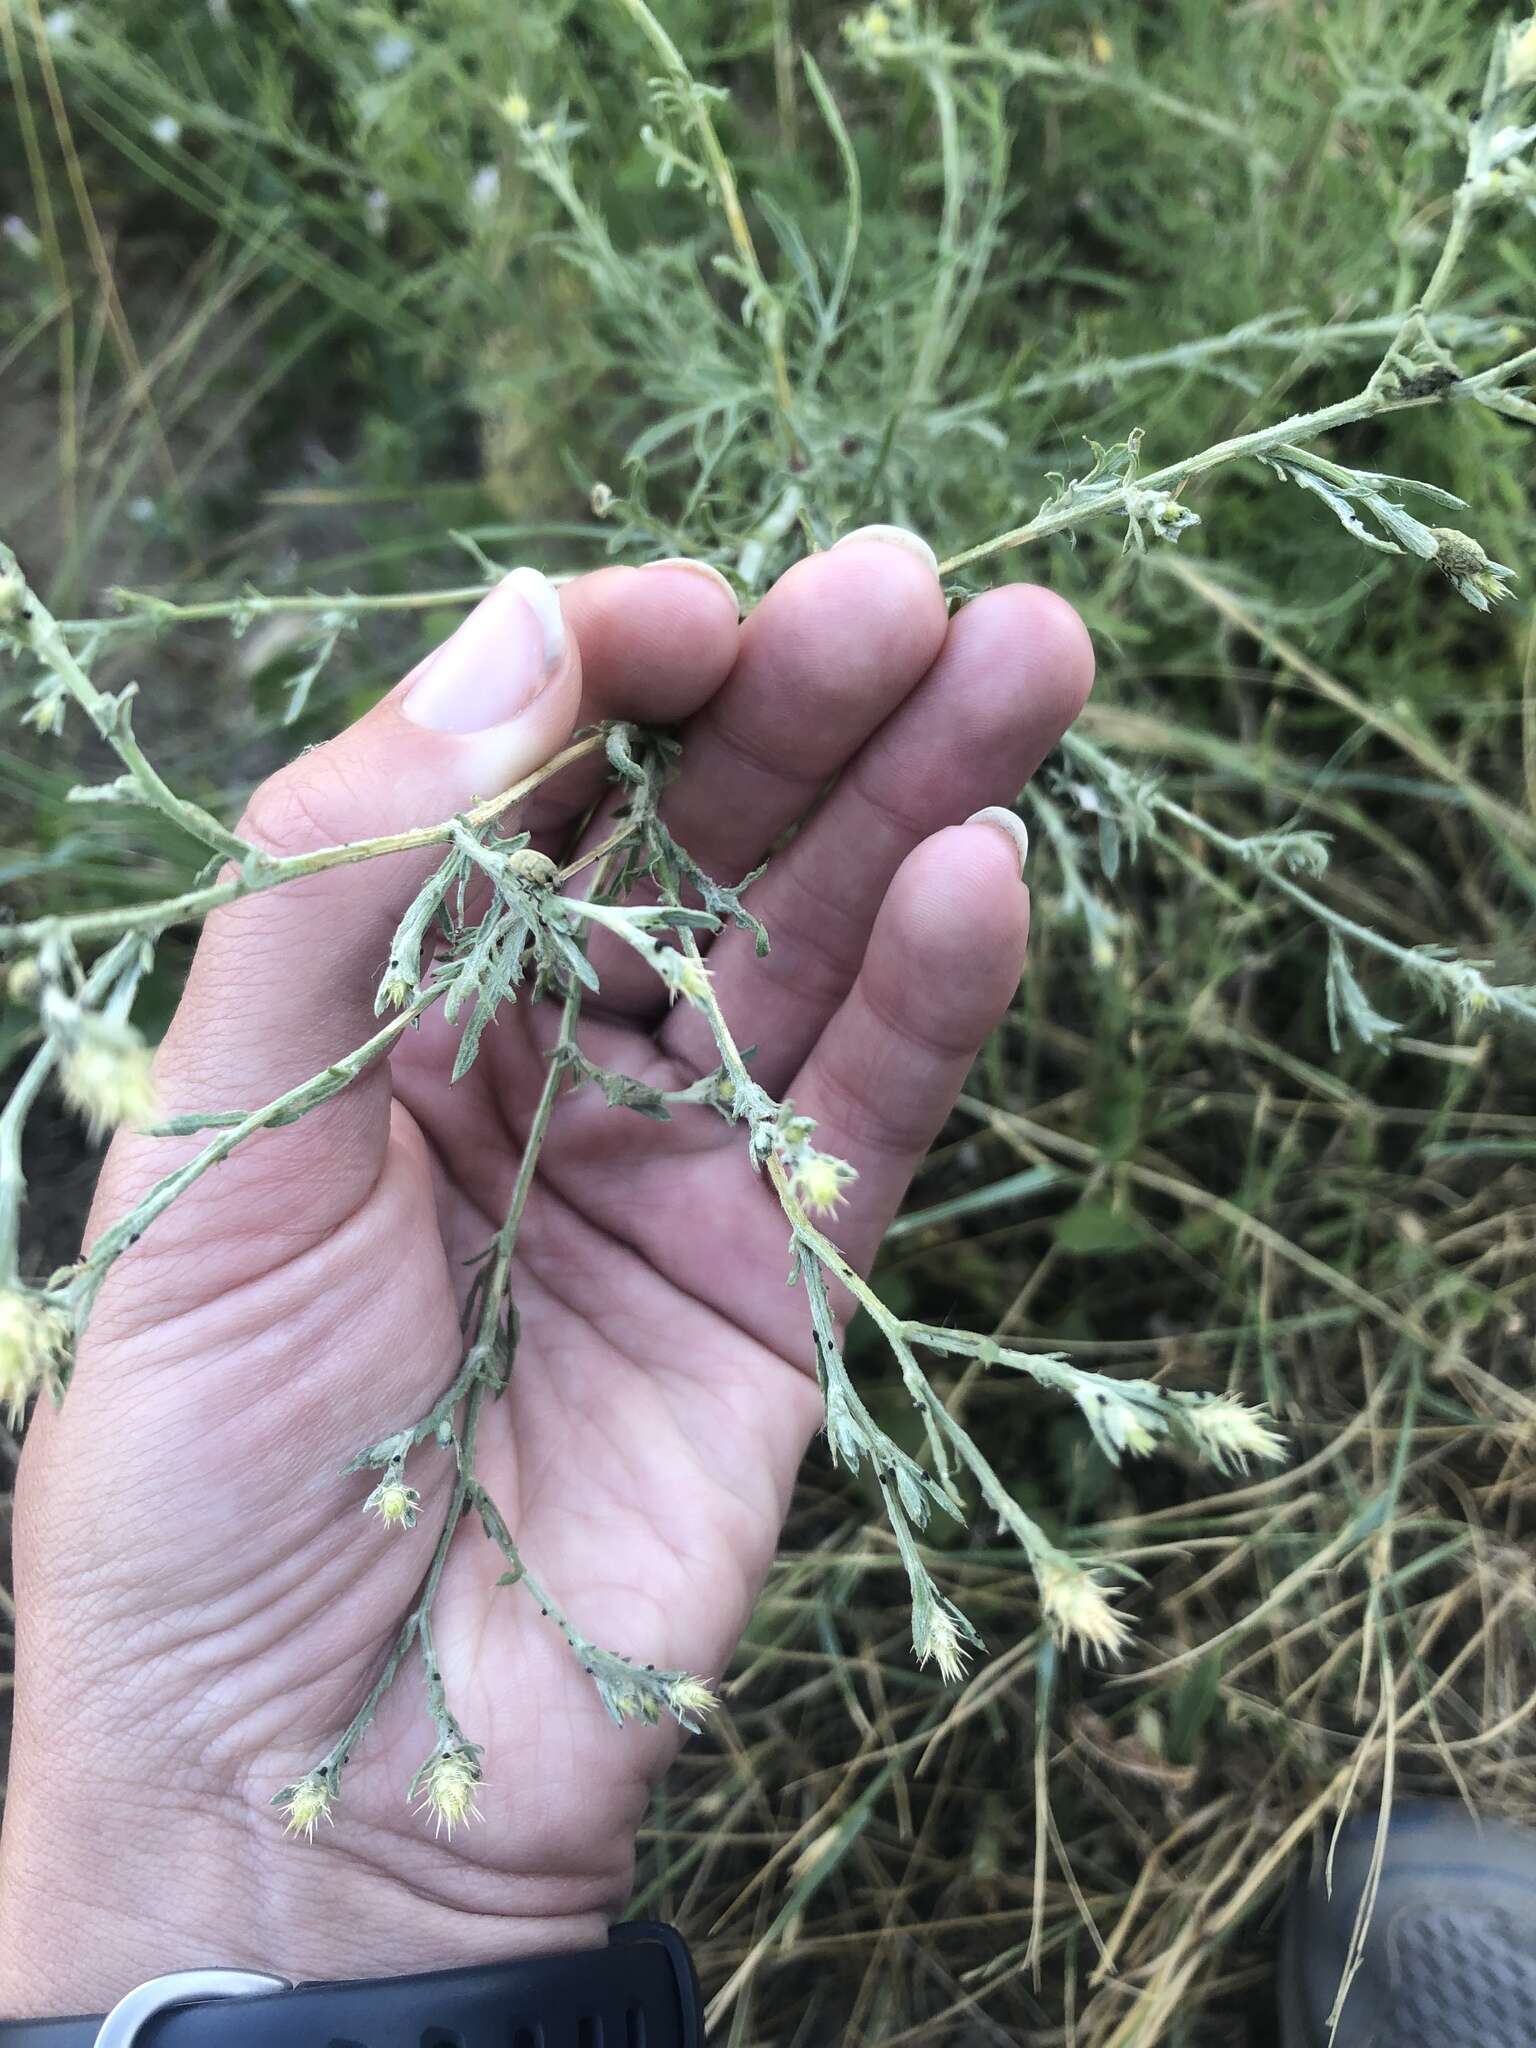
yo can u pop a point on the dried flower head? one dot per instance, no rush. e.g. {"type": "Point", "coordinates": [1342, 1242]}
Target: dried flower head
{"type": "Point", "coordinates": [1078, 1608]}
{"type": "Point", "coordinates": [305, 1805]}
{"type": "Point", "coordinates": [1228, 1432]}
{"type": "Point", "coordinates": [33, 1338]}
{"type": "Point", "coordinates": [107, 1075]}
{"type": "Point", "coordinates": [393, 1502]}
{"type": "Point", "coordinates": [446, 1783]}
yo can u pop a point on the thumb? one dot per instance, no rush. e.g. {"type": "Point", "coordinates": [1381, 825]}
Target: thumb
{"type": "Point", "coordinates": [283, 981]}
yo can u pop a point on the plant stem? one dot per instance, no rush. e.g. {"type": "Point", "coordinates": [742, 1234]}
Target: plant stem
{"type": "Point", "coordinates": [768, 308]}
{"type": "Point", "coordinates": [262, 871]}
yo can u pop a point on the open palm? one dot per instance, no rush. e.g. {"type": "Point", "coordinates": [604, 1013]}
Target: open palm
{"type": "Point", "coordinates": [202, 1606]}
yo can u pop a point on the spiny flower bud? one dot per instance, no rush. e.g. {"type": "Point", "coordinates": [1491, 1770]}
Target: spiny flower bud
{"type": "Point", "coordinates": [393, 1502]}
{"type": "Point", "coordinates": [446, 1783]}
{"type": "Point", "coordinates": [533, 867]}
{"type": "Point", "coordinates": [107, 1076]}
{"type": "Point", "coordinates": [33, 1337]}
{"type": "Point", "coordinates": [685, 976]}
{"type": "Point", "coordinates": [1078, 1609]}
{"type": "Point", "coordinates": [305, 1805]}
{"type": "Point", "coordinates": [1482, 582]}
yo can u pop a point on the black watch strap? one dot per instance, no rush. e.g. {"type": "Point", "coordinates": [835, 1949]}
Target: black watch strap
{"type": "Point", "coordinates": [639, 1992]}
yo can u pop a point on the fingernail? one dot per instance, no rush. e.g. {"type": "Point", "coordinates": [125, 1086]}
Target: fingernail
{"type": "Point", "coordinates": [1010, 824]}
{"type": "Point", "coordinates": [894, 537]}
{"type": "Point", "coordinates": [700, 569]}
{"type": "Point", "coordinates": [496, 663]}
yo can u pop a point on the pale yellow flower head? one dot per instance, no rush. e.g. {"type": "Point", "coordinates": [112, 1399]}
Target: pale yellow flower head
{"type": "Point", "coordinates": [941, 1645]}
{"type": "Point", "coordinates": [685, 976]}
{"type": "Point", "coordinates": [1229, 1433]}
{"type": "Point", "coordinates": [305, 1805]}
{"type": "Point", "coordinates": [33, 1337]}
{"type": "Point", "coordinates": [393, 1502]}
{"type": "Point", "coordinates": [1078, 1609]}
{"type": "Point", "coordinates": [1521, 67]}
{"type": "Point", "coordinates": [107, 1076]}
{"type": "Point", "coordinates": [821, 1182]}
{"type": "Point", "coordinates": [690, 1700]}
{"type": "Point", "coordinates": [447, 1784]}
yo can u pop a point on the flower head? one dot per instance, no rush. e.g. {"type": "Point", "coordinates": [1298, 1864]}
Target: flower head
{"type": "Point", "coordinates": [305, 1805]}
{"type": "Point", "coordinates": [685, 976]}
{"type": "Point", "coordinates": [820, 1181]}
{"type": "Point", "coordinates": [515, 108]}
{"type": "Point", "coordinates": [690, 1699]}
{"type": "Point", "coordinates": [1078, 1608]}
{"type": "Point", "coordinates": [107, 1075]}
{"type": "Point", "coordinates": [32, 1341]}
{"type": "Point", "coordinates": [393, 1502]}
{"type": "Point", "coordinates": [939, 1642]}
{"type": "Point", "coordinates": [446, 1783]}
{"type": "Point", "coordinates": [1520, 67]}
{"type": "Point", "coordinates": [1228, 1432]}
{"type": "Point", "coordinates": [1481, 581]}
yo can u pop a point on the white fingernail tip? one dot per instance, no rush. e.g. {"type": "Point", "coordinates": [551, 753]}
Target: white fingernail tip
{"type": "Point", "coordinates": [1008, 822]}
{"type": "Point", "coordinates": [895, 537]}
{"type": "Point", "coordinates": [721, 581]}
{"type": "Point", "coordinates": [543, 600]}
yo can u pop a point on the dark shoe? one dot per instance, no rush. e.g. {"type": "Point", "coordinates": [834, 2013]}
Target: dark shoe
{"type": "Point", "coordinates": [1450, 1959]}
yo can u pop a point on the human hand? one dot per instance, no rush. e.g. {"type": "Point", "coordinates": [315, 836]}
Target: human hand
{"type": "Point", "coordinates": [200, 1605]}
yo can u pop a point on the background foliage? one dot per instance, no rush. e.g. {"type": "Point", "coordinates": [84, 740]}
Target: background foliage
{"type": "Point", "coordinates": [297, 297]}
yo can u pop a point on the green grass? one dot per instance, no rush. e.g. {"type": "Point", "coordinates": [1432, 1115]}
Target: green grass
{"type": "Point", "coordinates": [302, 343]}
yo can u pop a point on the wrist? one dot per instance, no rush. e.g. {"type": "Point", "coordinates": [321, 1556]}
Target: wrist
{"type": "Point", "coordinates": [91, 1905]}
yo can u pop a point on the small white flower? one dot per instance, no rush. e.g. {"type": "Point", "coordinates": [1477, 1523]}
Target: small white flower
{"type": "Point", "coordinates": [166, 130]}
{"type": "Point", "coordinates": [20, 236]}
{"type": "Point", "coordinates": [392, 53]}
{"type": "Point", "coordinates": [376, 211]}
{"type": "Point", "coordinates": [59, 26]}
{"type": "Point", "coordinates": [485, 187]}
